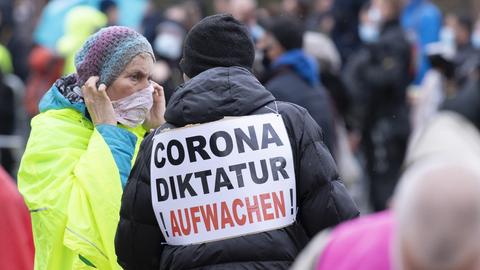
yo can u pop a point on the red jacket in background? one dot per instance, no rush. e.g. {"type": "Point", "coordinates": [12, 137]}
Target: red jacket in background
{"type": "Point", "coordinates": [16, 241]}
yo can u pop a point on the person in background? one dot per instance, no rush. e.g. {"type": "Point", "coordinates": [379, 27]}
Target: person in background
{"type": "Point", "coordinates": [427, 228]}
{"type": "Point", "coordinates": [422, 20]}
{"type": "Point", "coordinates": [81, 146]}
{"type": "Point", "coordinates": [16, 26]}
{"type": "Point", "coordinates": [151, 18]}
{"type": "Point", "coordinates": [221, 6]}
{"type": "Point", "coordinates": [293, 76]}
{"type": "Point", "coordinates": [80, 23]}
{"type": "Point", "coordinates": [217, 60]}
{"type": "Point", "coordinates": [16, 248]}
{"type": "Point", "coordinates": [245, 12]}
{"type": "Point", "coordinates": [457, 122]}
{"type": "Point", "coordinates": [377, 78]}
{"type": "Point", "coordinates": [296, 8]}
{"type": "Point", "coordinates": [7, 123]}
{"type": "Point", "coordinates": [110, 9]}
{"type": "Point", "coordinates": [167, 47]}
{"type": "Point", "coordinates": [345, 31]}
{"type": "Point", "coordinates": [7, 110]}
{"type": "Point", "coordinates": [466, 55]}
{"type": "Point", "coordinates": [321, 18]}
{"type": "Point", "coordinates": [437, 85]}
{"type": "Point", "coordinates": [45, 67]}
{"type": "Point", "coordinates": [476, 34]}
{"type": "Point", "coordinates": [447, 33]}
{"type": "Point", "coordinates": [323, 49]}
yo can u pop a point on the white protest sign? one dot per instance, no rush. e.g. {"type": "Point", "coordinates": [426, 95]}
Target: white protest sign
{"type": "Point", "coordinates": [223, 179]}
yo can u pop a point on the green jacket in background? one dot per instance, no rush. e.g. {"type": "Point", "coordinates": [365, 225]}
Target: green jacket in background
{"type": "Point", "coordinates": [80, 23]}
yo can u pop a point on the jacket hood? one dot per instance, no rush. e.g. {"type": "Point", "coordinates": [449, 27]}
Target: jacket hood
{"type": "Point", "coordinates": [54, 100]}
{"type": "Point", "coordinates": [304, 65]}
{"type": "Point", "coordinates": [215, 93]}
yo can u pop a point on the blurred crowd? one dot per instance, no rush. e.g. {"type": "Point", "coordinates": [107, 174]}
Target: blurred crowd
{"type": "Point", "coordinates": [380, 69]}
{"type": "Point", "coordinates": [373, 74]}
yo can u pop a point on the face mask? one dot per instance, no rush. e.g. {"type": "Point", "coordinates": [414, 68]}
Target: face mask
{"type": "Point", "coordinates": [132, 110]}
{"type": "Point", "coordinates": [447, 36]}
{"type": "Point", "coordinates": [168, 45]}
{"type": "Point", "coordinates": [368, 33]}
{"type": "Point", "coordinates": [476, 40]}
{"type": "Point", "coordinates": [257, 32]}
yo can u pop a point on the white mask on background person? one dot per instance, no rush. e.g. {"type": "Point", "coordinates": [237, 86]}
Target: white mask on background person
{"type": "Point", "coordinates": [368, 33]}
{"type": "Point", "coordinates": [476, 40]}
{"type": "Point", "coordinates": [168, 45]}
{"type": "Point", "coordinates": [132, 110]}
{"type": "Point", "coordinates": [447, 36]}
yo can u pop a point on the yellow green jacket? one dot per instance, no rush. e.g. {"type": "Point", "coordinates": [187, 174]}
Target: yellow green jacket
{"type": "Point", "coordinates": [6, 65]}
{"type": "Point", "coordinates": [71, 178]}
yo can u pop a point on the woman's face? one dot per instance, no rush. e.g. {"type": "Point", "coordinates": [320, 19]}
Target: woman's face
{"type": "Point", "coordinates": [133, 78]}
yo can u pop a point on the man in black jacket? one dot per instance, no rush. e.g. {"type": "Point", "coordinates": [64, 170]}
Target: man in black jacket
{"type": "Point", "coordinates": [293, 76]}
{"type": "Point", "coordinates": [378, 77]}
{"type": "Point", "coordinates": [218, 54]}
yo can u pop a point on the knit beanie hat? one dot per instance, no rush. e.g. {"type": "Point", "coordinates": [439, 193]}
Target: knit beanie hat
{"type": "Point", "coordinates": [107, 52]}
{"type": "Point", "coordinates": [217, 41]}
{"type": "Point", "coordinates": [288, 31]}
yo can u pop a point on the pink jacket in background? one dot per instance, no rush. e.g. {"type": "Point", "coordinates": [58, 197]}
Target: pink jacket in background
{"type": "Point", "coordinates": [361, 244]}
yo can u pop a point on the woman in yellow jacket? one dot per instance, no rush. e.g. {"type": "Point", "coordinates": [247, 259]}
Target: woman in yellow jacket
{"type": "Point", "coordinates": [81, 148]}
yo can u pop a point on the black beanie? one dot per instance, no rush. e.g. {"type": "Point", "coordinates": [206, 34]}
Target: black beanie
{"type": "Point", "coordinates": [217, 41]}
{"type": "Point", "coordinates": [288, 31]}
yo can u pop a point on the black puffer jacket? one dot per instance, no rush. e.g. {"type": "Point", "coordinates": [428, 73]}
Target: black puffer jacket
{"type": "Point", "coordinates": [322, 198]}
{"type": "Point", "coordinates": [377, 78]}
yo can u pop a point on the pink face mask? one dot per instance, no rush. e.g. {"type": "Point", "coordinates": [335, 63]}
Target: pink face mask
{"type": "Point", "coordinates": [132, 110]}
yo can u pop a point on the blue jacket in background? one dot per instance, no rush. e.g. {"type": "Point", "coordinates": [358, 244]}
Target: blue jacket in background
{"type": "Point", "coordinates": [51, 23]}
{"type": "Point", "coordinates": [423, 21]}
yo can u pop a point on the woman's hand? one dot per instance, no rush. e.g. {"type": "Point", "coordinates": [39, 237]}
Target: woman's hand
{"type": "Point", "coordinates": [98, 103]}
{"type": "Point", "coordinates": [155, 117]}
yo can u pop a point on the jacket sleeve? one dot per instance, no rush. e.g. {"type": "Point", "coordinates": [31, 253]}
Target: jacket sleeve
{"type": "Point", "coordinates": [323, 199]}
{"type": "Point", "coordinates": [93, 205]}
{"type": "Point", "coordinates": [138, 241]}
{"type": "Point", "coordinates": [122, 145]}
{"type": "Point", "coordinates": [69, 178]}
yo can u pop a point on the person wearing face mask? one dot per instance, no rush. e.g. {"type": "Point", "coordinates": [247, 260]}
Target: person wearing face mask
{"type": "Point", "coordinates": [369, 28]}
{"type": "Point", "coordinates": [289, 67]}
{"type": "Point", "coordinates": [377, 78]}
{"type": "Point", "coordinates": [465, 60]}
{"type": "Point", "coordinates": [167, 47]}
{"type": "Point", "coordinates": [81, 148]}
{"type": "Point", "coordinates": [476, 35]}
{"type": "Point", "coordinates": [447, 33]}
